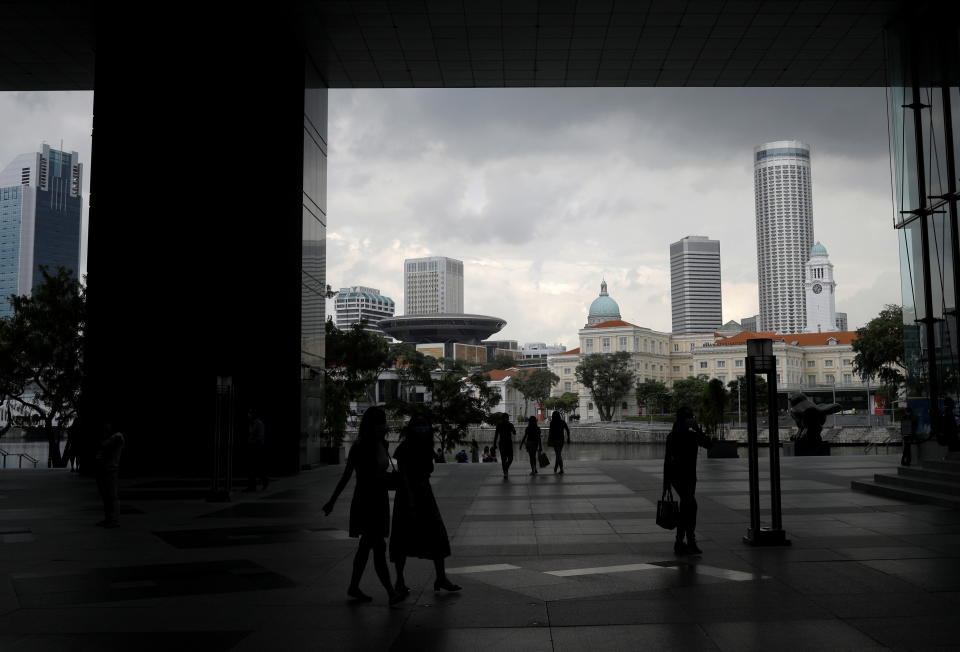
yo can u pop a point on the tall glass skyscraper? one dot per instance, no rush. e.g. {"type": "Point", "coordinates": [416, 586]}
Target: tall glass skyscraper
{"type": "Point", "coordinates": [40, 208]}
{"type": "Point", "coordinates": [784, 207]}
{"type": "Point", "coordinates": [696, 301]}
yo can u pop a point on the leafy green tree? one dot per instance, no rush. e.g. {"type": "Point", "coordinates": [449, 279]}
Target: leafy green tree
{"type": "Point", "coordinates": [565, 404]}
{"type": "Point", "coordinates": [535, 386]}
{"type": "Point", "coordinates": [878, 350]}
{"type": "Point", "coordinates": [689, 392]}
{"type": "Point", "coordinates": [608, 378]}
{"type": "Point", "coordinates": [713, 406]}
{"type": "Point", "coordinates": [738, 392]}
{"type": "Point", "coordinates": [653, 395]}
{"type": "Point", "coordinates": [355, 360]}
{"type": "Point", "coordinates": [454, 399]}
{"type": "Point", "coordinates": [41, 354]}
{"type": "Point", "coordinates": [499, 361]}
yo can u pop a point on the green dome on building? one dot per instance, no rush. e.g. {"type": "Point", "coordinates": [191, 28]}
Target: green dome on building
{"type": "Point", "coordinates": [818, 250]}
{"type": "Point", "coordinates": [603, 308]}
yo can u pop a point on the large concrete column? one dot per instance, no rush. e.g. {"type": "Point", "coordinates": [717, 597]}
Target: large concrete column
{"type": "Point", "coordinates": [198, 196]}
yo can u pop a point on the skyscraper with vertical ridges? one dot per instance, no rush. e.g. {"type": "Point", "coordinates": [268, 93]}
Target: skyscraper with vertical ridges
{"type": "Point", "coordinates": [784, 221]}
{"type": "Point", "coordinates": [40, 209]}
{"type": "Point", "coordinates": [696, 302]}
{"type": "Point", "coordinates": [432, 285]}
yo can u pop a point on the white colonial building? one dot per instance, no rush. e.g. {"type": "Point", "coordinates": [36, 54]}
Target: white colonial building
{"type": "Point", "coordinates": [805, 361]}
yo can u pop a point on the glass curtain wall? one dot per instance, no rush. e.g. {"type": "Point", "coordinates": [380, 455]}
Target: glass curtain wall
{"type": "Point", "coordinates": [923, 107]}
{"type": "Point", "coordinates": [313, 265]}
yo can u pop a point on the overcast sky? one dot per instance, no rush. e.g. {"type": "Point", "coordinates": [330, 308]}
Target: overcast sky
{"type": "Point", "coordinates": [544, 192]}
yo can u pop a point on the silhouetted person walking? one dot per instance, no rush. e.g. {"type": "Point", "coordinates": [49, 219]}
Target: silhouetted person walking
{"type": "Point", "coordinates": [503, 441]}
{"type": "Point", "coordinates": [555, 439]}
{"type": "Point", "coordinates": [418, 529]}
{"type": "Point", "coordinates": [108, 474]}
{"type": "Point", "coordinates": [370, 507]}
{"type": "Point", "coordinates": [531, 439]}
{"type": "Point", "coordinates": [256, 451]}
{"type": "Point", "coordinates": [474, 451]}
{"type": "Point", "coordinates": [680, 470]}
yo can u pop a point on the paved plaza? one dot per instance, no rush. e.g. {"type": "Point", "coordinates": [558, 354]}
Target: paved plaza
{"type": "Point", "coordinates": [571, 562]}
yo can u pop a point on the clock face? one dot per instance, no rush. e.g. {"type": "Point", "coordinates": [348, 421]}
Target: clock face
{"type": "Point", "coordinates": [817, 288]}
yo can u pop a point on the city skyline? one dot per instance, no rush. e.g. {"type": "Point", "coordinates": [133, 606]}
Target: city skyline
{"type": "Point", "coordinates": [545, 192]}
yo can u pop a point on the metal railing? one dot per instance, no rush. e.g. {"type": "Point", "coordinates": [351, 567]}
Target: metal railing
{"type": "Point", "coordinates": [875, 445]}
{"type": "Point", "coordinates": [30, 458]}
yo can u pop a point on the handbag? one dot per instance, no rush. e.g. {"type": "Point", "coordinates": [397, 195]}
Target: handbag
{"type": "Point", "coordinates": [393, 476]}
{"type": "Point", "coordinates": [543, 460]}
{"type": "Point", "coordinates": [668, 510]}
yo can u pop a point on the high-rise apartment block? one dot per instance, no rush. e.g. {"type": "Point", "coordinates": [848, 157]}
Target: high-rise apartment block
{"type": "Point", "coordinates": [40, 210]}
{"type": "Point", "coordinates": [784, 220]}
{"type": "Point", "coordinates": [695, 285]}
{"type": "Point", "coordinates": [357, 303]}
{"type": "Point", "coordinates": [433, 285]}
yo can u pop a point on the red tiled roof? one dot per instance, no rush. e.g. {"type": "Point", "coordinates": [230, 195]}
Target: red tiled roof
{"type": "Point", "coordinates": [575, 351]}
{"type": "Point", "coordinates": [612, 324]}
{"type": "Point", "coordinates": [801, 339]}
{"type": "Point", "coordinates": [500, 374]}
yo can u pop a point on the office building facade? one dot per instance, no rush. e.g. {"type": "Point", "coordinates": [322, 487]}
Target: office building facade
{"type": "Point", "coordinates": [784, 223]}
{"type": "Point", "coordinates": [357, 303]}
{"type": "Point", "coordinates": [40, 212]}
{"type": "Point", "coordinates": [433, 285]}
{"type": "Point", "coordinates": [695, 285]}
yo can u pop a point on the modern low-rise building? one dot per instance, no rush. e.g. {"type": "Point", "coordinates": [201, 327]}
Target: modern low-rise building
{"type": "Point", "coordinates": [356, 303]}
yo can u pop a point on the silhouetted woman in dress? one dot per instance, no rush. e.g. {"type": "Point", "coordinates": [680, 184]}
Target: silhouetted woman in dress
{"type": "Point", "coordinates": [680, 470]}
{"type": "Point", "coordinates": [557, 429]}
{"type": "Point", "coordinates": [370, 507]}
{"type": "Point", "coordinates": [418, 529]}
{"type": "Point", "coordinates": [503, 441]}
{"type": "Point", "coordinates": [531, 439]}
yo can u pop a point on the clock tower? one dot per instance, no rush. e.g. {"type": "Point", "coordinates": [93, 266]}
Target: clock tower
{"type": "Point", "coordinates": [820, 292]}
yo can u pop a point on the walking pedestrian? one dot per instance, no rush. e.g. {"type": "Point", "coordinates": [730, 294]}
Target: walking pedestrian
{"type": "Point", "coordinates": [474, 451]}
{"type": "Point", "coordinates": [370, 507]}
{"type": "Point", "coordinates": [680, 471]}
{"type": "Point", "coordinates": [555, 439]}
{"type": "Point", "coordinates": [534, 444]}
{"type": "Point", "coordinates": [108, 474]}
{"type": "Point", "coordinates": [256, 451]}
{"type": "Point", "coordinates": [418, 529]}
{"type": "Point", "coordinates": [503, 441]}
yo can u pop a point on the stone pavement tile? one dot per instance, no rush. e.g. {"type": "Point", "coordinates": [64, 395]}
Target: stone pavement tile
{"type": "Point", "coordinates": [478, 605]}
{"type": "Point", "coordinates": [846, 577]}
{"type": "Point", "coordinates": [736, 601]}
{"type": "Point", "coordinates": [311, 640]}
{"type": "Point", "coordinates": [628, 638]}
{"type": "Point", "coordinates": [886, 552]}
{"type": "Point", "coordinates": [572, 526]}
{"type": "Point", "coordinates": [580, 548]}
{"type": "Point", "coordinates": [888, 605]}
{"type": "Point", "coordinates": [929, 574]}
{"type": "Point", "coordinates": [515, 639]}
{"type": "Point", "coordinates": [125, 641]}
{"type": "Point", "coordinates": [659, 607]}
{"type": "Point", "coordinates": [912, 633]}
{"type": "Point", "coordinates": [788, 635]}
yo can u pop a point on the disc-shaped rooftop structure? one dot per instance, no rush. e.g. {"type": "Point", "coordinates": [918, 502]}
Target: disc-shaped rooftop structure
{"type": "Point", "coordinates": [442, 327]}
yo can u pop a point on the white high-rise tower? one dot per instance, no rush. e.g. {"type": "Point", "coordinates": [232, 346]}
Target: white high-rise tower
{"type": "Point", "coordinates": [784, 207]}
{"type": "Point", "coordinates": [821, 292]}
{"type": "Point", "coordinates": [432, 285]}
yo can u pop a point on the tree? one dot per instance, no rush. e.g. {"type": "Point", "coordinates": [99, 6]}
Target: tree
{"type": "Point", "coordinates": [739, 393]}
{"type": "Point", "coordinates": [41, 354]}
{"type": "Point", "coordinates": [714, 404]}
{"type": "Point", "coordinates": [535, 385]}
{"type": "Point", "coordinates": [355, 360]}
{"type": "Point", "coordinates": [608, 378]}
{"type": "Point", "coordinates": [878, 349]}
{"type": "Point", "coordinates": [499, 361]}
{"type": "Point", "coordinates": [689, 393]}
{"type": "Point", "coordinates": [565, 404]}
{"type": "Point", "coordinates": [454, 399]}
{"type": "Point", "coordinates": [653, 395]}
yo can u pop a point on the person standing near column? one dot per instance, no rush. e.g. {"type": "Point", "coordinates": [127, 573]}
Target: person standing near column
{"type": "Point", "coordinates": [680, 471]}
{"type": "Point", "coordinates": [503, 441]}
{"type": "Point", "coordinates": [108, 474]}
